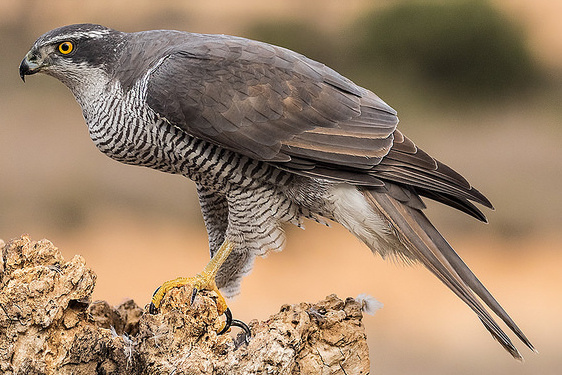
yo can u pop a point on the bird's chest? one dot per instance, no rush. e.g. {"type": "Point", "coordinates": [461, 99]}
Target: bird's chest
{"type": "Point", "coordinates": [136, 135]}
{"type": "Point", "coordinates": [133, 135]}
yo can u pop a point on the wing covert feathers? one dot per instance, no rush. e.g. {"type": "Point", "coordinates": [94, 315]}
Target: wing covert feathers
{"type": "Point", "coordinates": [425, 244]}
{"type": "Point", "coordinates": [271, 104]}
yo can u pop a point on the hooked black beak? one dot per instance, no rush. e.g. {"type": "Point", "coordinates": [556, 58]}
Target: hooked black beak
{"type": "Point", "coordinates": [28, 66]}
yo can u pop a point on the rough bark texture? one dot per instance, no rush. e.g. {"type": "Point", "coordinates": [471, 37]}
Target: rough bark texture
{"type": "Point", "coordinates": [49, 326]}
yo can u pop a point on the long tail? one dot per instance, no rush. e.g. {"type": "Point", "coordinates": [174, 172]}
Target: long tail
{"type": "Point", "coordinates": [426, 245]}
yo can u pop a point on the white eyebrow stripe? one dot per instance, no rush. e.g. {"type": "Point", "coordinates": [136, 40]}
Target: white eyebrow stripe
{"type": "Point", "coordinates": [94, 34]}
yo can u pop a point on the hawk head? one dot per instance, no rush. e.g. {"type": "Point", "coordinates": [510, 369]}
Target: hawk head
{"type": "Point", "coordinates": [74, 54]}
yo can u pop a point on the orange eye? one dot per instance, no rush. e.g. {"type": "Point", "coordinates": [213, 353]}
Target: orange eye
{"type": "Point", "coordinates": [66, 47]}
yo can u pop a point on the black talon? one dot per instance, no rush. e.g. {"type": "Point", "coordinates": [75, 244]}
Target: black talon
{"type": "Point", "coordinates": [228, 322]}
{"type": "Point", "coordinates": [245, 328]}
{"type": "Point", "coordinates": [156, 291]}
{"type": "Point", "coordinates": [236, 323]}
{"type": "Point", "coordinates": [193, 295]}
{"type": "Point", "coordinates": [152, 309]}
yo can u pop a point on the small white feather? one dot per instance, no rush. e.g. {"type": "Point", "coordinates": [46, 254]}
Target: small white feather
{"type": "Point", "coordinates": [369, 305]}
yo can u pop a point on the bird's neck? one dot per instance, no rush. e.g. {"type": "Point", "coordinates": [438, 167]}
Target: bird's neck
{"type": "Point", "coordinates": [88, 89]}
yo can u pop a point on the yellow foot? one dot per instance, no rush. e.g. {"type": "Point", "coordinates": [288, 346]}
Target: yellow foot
{"type": "Point", "coordinates": [203, 281]}
{"type": "Point", "coordinates": [198, 282]}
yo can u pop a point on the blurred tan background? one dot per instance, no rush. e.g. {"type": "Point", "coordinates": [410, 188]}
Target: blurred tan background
{"type": "Point", "coordinates": [476, 84]}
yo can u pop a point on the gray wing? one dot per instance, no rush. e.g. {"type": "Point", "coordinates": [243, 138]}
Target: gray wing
{"type": "Point", "coordinates": [272, 104]}
{"type": "Point", "coordinates": [275, 105]}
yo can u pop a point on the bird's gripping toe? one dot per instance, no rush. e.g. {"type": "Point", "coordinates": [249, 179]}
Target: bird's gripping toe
{"type": "Point", "coordinates": [202, 281]}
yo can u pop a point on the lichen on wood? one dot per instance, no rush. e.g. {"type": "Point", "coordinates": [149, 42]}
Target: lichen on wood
{"type": "Point", "coordinates": [48, 325]}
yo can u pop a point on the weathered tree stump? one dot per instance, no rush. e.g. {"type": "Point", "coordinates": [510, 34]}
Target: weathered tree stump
{"type": "Point", "coordinates": [49, 326]}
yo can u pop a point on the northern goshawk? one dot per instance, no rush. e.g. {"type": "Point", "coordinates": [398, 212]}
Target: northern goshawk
{"type": "Point", "coordinates": [269, 137]}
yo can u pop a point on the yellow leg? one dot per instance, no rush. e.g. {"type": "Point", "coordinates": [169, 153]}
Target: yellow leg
{"type": "Point", "coordinates": [204, 280]}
